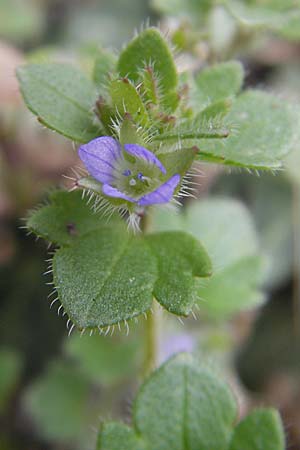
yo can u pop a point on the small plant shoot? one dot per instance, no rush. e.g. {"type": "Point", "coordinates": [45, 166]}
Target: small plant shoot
{"type": "Point", "coordinates": [131, 242]}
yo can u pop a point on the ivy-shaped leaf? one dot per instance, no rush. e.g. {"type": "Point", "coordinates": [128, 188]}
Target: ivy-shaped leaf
{"type": "Point", "coordinates": [185, 406]}
{"type": "Point", "coordinates": [181, 258]}
{"type": "Point", "coordinates": [61, 97]}
{"type": "Point", "coordinates": [107, 277]}
{"type": "Point", "coordinates": [104, 274]}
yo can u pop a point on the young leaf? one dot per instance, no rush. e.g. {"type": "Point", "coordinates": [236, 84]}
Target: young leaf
{"type": "Point", "coordinates": [107, 277]}
{"type": "Point", "coordinates": [149, 48]}
{"type": "Point", "coordinates": [180, 259]}
{"type": "Point", "coordinates": [183, 406]}
{"type": "Point", "coordinates": [219, 82]}
{"type": "Point", "coordinates": [117, 436]}
{"type": "Point", "coordinates": [260, 430]}
{"type": "Point", "coordinates": [266, 130]}
{"type": "Point", "coordinates": [61, 97]}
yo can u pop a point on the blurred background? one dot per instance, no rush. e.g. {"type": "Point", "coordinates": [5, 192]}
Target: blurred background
{"type": "Point", "coordinates": [55, 389]}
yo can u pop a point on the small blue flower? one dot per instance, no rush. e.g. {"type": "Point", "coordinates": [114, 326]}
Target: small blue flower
{"type": "Point", "coordinates": [131, 172]}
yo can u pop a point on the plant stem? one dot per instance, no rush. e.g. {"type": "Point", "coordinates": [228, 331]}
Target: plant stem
{"type": "Point", "coordinates": [151, 338]}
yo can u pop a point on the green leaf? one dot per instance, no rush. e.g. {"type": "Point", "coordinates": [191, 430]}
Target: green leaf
{"type": "Point", "coordinates": [184, 406]}
{"type": "Point", "coordinates": [180, 258]}
{"type": "Point", "coordinates": [237, 263]}
{"type": "Point", "coordinates": [105, 64]}
{"type": "Point", "coordinates": [219, 82]}
{"type": "Point", "coordinates": [266, 130]}
{"type": "Point", "coordinates": [67, 218]}
{"type": "Point", "coordinates": [149, 48]}
{"type": "Point", "coordinates": [61, 97]}
{"type": "Point", "coordinates": [104, 360]}
{"type": "Point", "coordinates": [103, 274]}
{"type": "Point", "coordinates": [117, 436]}
{"type": "Point", "coordinates": [10, 363]}
{"type": "Point", "coordinates": [107, 277]}
{"type": "Point", "coordinates": [260, 430]}
{"type": "Point", "coordinates": [58, 403]}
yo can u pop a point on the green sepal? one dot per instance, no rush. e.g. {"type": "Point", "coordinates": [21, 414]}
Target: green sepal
{"type": "Point", "coordinates": [126, 99]}
{"type": "Point", "coordinates": [178, 161]}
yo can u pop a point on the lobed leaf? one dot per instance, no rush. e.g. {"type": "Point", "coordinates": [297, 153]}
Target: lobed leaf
{"type": "Point", "coordinates": [61, 97]}
{"type": "Point", "coordinates": [193, 408]}
{"type": "Point", "coordinates": [104, 275]}
{"type": "Point", "coordinates": [185, 406]}
{"type": "Point", "coordinates": [180, 259]}
{"type": "Point", "coordinates": [106, 278]}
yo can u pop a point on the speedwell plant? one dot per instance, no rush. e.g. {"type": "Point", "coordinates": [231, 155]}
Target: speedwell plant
{"type": "Point", "coordinates": [143, 125]}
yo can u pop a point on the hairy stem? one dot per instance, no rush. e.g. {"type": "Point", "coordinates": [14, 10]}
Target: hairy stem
{"type": "Point", "coordinates": [151, 338]}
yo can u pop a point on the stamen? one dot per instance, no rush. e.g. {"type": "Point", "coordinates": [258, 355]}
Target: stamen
{"type": "Point", "coordinates": [127, 172]}
{"type": "Point", "coordinates": [140, 176]}
{"type": "Point", "coordinates": [132, 182]}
